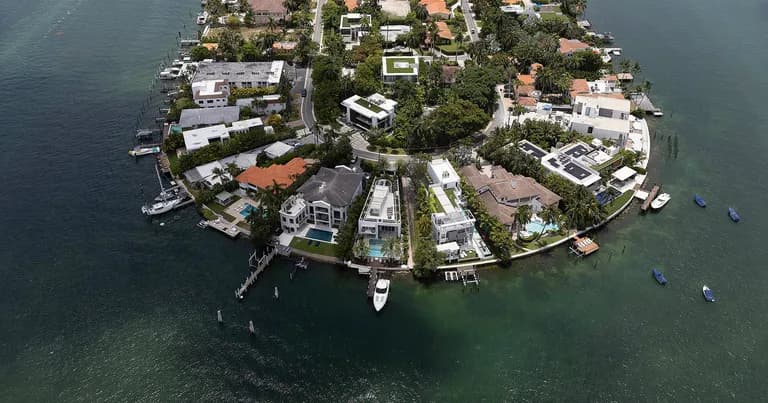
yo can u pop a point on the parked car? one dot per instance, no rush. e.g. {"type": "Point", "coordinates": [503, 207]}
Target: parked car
{"type": "Point", "coordinates": [304, 93]}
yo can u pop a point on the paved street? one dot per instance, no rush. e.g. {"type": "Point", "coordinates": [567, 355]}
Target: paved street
{"type": "Point", "coordinates": [470, 21]}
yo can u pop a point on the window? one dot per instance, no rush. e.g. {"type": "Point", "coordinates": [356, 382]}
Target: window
{"type": "Point", "coordinates": [606, 113]}
{"type": "Point", "coordinates": [210, 101]}
{"type": "Point", "coordinates": [590, 129]}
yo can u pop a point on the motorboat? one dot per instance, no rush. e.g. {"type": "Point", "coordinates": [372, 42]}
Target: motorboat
{"type": "Point", "coordinates": [660, 201]}
{"type": "Point", "coordinates": [168, 193]}
{"type": "Point", "coordinates": [659, 276]}
{"type": "Point", "coordinates": [708, 294]}
{"type": "Point", "coordinates": [139, 151]}
{"type": "Point", "coordinates": [699, 200]}
{"type": "Point", "coordinates": [380, 294]}
{"type": "Point", "coordinates": [202, 18]}
{"type": "Point", "coordinates": [170, 73]}
{"type": "Point", "coordinates": [160, 207]}
{"type": "Point", "coordinates": [735, 217]}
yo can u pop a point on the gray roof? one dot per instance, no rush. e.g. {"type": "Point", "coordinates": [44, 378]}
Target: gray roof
{"type": "Point", "coordinates": [208, 116]}
{"type": "Point", "coordinates": [234, 72]}
{"type": "Point", "coordinates": [334, 186]}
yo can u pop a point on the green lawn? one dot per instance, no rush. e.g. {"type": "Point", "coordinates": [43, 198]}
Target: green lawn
{"type": "Point", "coordinates": [395, 70]}
{"type": "Point", "coordinates": [324, 248]}
{"type": "Point", "coordinates": [218, 208]}
{"type": "Point", "coordinates": [208, 214]}
{"type": "Point", "coordinates": [543, 241]}
{"type": "Point", "coordinates": [368, 105]}
{"type": "Point", "coordinates": [553, 16]}
{"type": "Point", "coordinates": [606, 163]}
{"type": "Point", "coordinates": [451, 49]}
{"type": "Point", "coordinates": [616, 203]}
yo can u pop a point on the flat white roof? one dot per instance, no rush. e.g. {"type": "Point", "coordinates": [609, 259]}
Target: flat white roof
{"type": "Point", "coordinates": [399, 64]}
{"type": "Point", "coordinates": [243, 125]}
{"type": "Point", "coordinates": [375, 105]}
{"type": "Point", "coordinates": [198, 138]}
{"type": "Point", "coordinates": [277, 149]}
{"type": "Point", "coordinates": [598, 102]}
{"type": "Point", "coordinates": [442, 171]}
{"type": "Point", "coordinates": [207, 88]}
{"type": "Point", "coordinates": [569, 168]}
{"type": "Point", "coordinates": [381, 202]}
{"type": "Point", "coordinates": [624, 173]}
{"type": "Point", "coordinates": [448, 247]}
{"type": "Point", "coordinates": [443, 199]}
{"type": "Point", "coordinates": [599, 122]}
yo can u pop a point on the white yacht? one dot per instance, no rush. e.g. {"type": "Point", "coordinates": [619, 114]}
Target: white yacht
{"type": "Point", "coordinates": [381, 294]}
{"type": "Point", "coordinates": [660, 201]}
{"type": "Point", "coordinates": [166, 202]}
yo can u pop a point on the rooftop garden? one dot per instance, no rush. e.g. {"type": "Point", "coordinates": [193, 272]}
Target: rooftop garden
{"type": "Point", "coordinates": [371, 107]}
{"type": "Point", "coordinates": [393, 69]}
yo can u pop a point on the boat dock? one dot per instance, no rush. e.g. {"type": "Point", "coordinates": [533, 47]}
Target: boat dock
{"type": "Point", "coordinates": [230, 230]}
{"type": "Point", "coordinates": [374, 277]}
{"type": "Point", "coordinates": [257, 265]}
{"type": "Point", "coordinates": [652, 195]}
{"type": "Point", "coordinates": [583, 246]}
{"type": "Point", "coordinates": [643, 102]}
{"type": "Point", "coordinates": [469, 276]}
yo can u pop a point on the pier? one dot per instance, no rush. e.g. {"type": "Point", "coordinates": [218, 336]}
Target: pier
{"type": "Point", "coordinates": [257, 265]}
{"type": "Point", "coordinates": [225, 227]}
{"type": "Point", "coordinates": [374, 277]}
{"type": "Point", "coordinates": [652, 195]}
{"type": "Point", "coordinates": [469, 276]}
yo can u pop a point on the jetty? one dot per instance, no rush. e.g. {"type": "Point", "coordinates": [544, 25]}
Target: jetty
{"type": "Point", "coordinates": [651, 195]}
{"type": "Point", "coordinates": [642, 101]}
{"type": "Point", "coordinates": [224, 227]}
{"type": "Point", "coordinates": [257, 265]}
{"type": "Point", "coordinates": [583, 246]}
{"type": "Point", "coordinates": [374, 277]}
{"type": "Point", "coordinates": [469, 276]}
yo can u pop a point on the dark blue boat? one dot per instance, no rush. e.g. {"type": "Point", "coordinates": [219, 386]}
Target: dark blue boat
{"type": "Point", "coordinates": [659, 277]}
{"type": "Point", "coordinates": [699, 201]}
{"type": "Point", "coordinates": [708, 294]}
{"type": "Point", "coordinates": [733, 214]}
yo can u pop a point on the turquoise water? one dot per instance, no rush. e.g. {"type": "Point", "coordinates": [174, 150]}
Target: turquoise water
{"type": "Point", "coordinates": [320, 235]}
{"type": "Point", "coordinates": [99, 303]}
{"type": "Point", "coordinates": [537, 226]}
{"type": "Point", "coordinates": [374, 248]}
{"type": "Point", "coordinates": [247, 210]}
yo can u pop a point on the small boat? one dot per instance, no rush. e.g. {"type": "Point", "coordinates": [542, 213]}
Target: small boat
{"type": "Point", "coordinates": [659, 277]}
{"type": "Point", "coordinates": [381, 294]}
{"type": "Point", "coordinates": [202, 18]}
{"type": "Point", "coordinates": [202, 224]}
{"type": "Point", "coordinates": [139, 151]}
{"type": "Point", "coordinates": [735, 217]}
{"type": "Point", "coordinates": [708, 294]}
{"type": "Point", "coordinates": [660, 201]}
{"type": "Point", "coordinates": [160, 207]}
{"type": "Point", "coordinates": [699, 200]}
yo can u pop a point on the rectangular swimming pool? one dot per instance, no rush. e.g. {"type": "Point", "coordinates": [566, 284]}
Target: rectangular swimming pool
{"type": "Point", "coordinates": [374, 248]}
{"type": "Point", "coordinates": [320, 235]}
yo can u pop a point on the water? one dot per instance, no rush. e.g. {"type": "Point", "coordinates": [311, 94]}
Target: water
{"type": "Point", "coordinates": [537, 225]}
{"type": "Point", "coordinates": [320, 235]}
{"type": "Point", "coordinates": [98, 303]}
{"type": "Point", "coordinates": [374, 248]}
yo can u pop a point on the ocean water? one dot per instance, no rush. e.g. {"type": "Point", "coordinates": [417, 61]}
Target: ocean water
{"type": "Point", "coordinates": [98, 303]}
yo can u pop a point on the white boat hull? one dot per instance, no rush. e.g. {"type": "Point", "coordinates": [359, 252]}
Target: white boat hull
{"type": "Point", "coordinates": [381, 294]}
{"type": "Point", "coordinates": [160, 207]}
{"type": "Point", "coordinates": [660, 201]}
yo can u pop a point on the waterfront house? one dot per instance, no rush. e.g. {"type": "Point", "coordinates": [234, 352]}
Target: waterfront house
{"type": "Point", "coordinates": [353, 26]}
{"type": "Point", "coordinates": [624, 179]}
{"type": "Point", "coordinates": [375, 111]}
{"type": "Point", "coordinates": [210, 93]}
{"type": "Point", "coordinates": [264, 10]}
{"type": "Point", "coordinates": [323, 200]}
{"type": "Point", "coordinates": [256, 178]}
{"type": "Point", "coordinates": [502, 192]}
{"type": "Point", "coordinates": [568, 166]}
{"type": "Point", "coordinates": [198, 117]}
{"type": "Point", "coordinates": [451, 222]}
{"type": "Point", "coordinates": [601, 116]}
{"type": "Point", "coordinates": [242, 74]}
{"type": "Point", "coordinates": [380, 218]}
{"type": "Point", "coordinates": [207, 175]}
{"type": "Point", "coordinates": [569, 46]}
{"type": "Point", "coordinates": [395, 68]}
{"type": "Point", "coordinates": [198, 138]}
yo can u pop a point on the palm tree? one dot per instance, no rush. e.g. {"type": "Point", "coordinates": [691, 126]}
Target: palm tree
{"type": "Point", "coordinates": [391, 248]}
{"type": "Point", "coordinates": [360, 248]}
{"type": "Point", "coordinates": [232, 169]}
{"type": "Point", "coordinates": [220, 174]}
{"type": "Point", "coordinates": [550, 215]}
{"type": "Point", "coordinates": [583, 210]}
{"type": "Point", "coordinates": [421, 12]}
{"type": "Point", "coordinates": [271, 24]}
{"type": "Point", "coordinates": [522, 218]}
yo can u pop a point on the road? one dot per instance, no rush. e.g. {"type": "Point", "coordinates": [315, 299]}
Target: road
{"type": "Point", "coordinates": [470, 21]}
{"type": "Point", "coordinates": [307, 110]}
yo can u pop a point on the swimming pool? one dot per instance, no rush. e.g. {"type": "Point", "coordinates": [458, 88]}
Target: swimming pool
{"type": "Point", "coordinates": [537, 225]}
{"type": "Point", "coordinates": [319, 235]}
{"type": "Point", "coordinates": [247, 210]}
{"type": "Point", "coordinates": [374, 248]}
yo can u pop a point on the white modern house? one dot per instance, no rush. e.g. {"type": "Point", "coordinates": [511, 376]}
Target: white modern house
{"type": "Point", "coordinates": [210, 93]}
{"type": "Point", "coordinates": [395, 68]}
{"type": "Point", "coordinates": [375, 111]}
{"type": "Point", "coordinates": [570, 168]}
{"type": "Point", "coordinates": [380, 218]}
{"type": "Point", "coordinates": [242, 126]}
{"type": "Point", "coordinates": [601, 116]}
{"type": "Point", "coordinates": [323, 200]}
{"type": "Point", "coordinates": [353, 26]}
{"type": "Point", "coordinates": [241, 74]}
{"type": "Point", "coordinates": [452, 223]}
{"type": "Point", "coordinates": [442, 174]}
{"type": "Point", "coordinates": [199, 138]}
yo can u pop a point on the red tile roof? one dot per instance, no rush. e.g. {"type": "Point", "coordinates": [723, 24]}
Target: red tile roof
{"type": "Point", "coordinates": [568, 46]}
{"type": "Point", "coordinates": [284, 175]}
{"type": "Point", "coordinates": [443, 31]}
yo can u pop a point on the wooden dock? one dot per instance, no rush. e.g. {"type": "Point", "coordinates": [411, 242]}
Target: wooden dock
{"type": "Point", "coordinates": [469, 276]}
{"type": "Point", "coordinates": [374, 277]}
{"type": "Point", "coordinates": [257, 265]}
{"type": "Point", "coordinates": [652, 195]}
{"type": "Point", "coordinates": [225, 227]}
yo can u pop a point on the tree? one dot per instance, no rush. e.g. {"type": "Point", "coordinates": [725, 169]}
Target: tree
{"type": "Point", "coordinates": [249, 52]}
{"type": "Point", "coordinates": [454, 120]}
{"type": "Point", "coordinates": [360, 248]}
{"type": "Point", "coordinates": [553, 81]}
{"type": "Point", "coordinates": [478, 85]}
{"type": "Point", "coordinates": [392, 248]}
{"type": "Point", "coordinates": [266, 219]}
{"type": "Point", "coordinates": [522, 218]}
{"type": "Point", "coordinates": [583, 209]}
{"type": "Point", "coordinates": [229, 44]}
{"type": "Point", "coordinates": [199, 53]}
{"type": "Point", "coordinates": [550, 215]}
{"type": "Point", "coordinates": [220, 174]}
{"type": "Point", "coordinates": [426, 258]}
